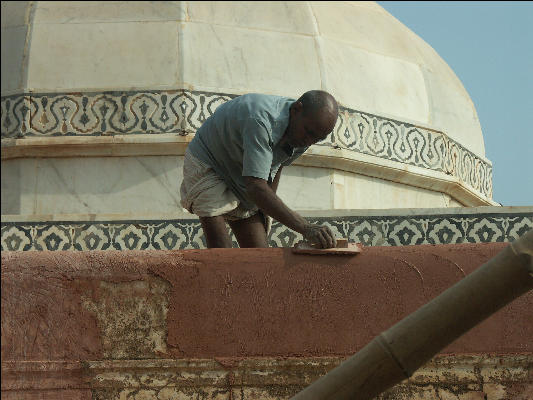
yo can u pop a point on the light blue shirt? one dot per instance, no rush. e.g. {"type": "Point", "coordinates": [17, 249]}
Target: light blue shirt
{"type": "Point", "coordinates": [241, 139]}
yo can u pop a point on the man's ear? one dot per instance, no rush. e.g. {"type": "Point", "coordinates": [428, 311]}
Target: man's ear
{"type": "Point", "coordinates": [297, 107]}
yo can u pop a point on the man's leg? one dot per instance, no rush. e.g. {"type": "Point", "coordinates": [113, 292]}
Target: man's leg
{"type": "Point", "coordinates": [215, 231]}
{"type": "Point", "coordinates": [250, 232]}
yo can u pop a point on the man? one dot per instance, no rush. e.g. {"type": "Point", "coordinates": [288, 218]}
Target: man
{"type": "Point", "coordinates": [233, 165]}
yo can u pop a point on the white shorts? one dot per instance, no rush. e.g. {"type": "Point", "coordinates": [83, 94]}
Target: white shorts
{"type": "Point", "coordinates": [206, 194]}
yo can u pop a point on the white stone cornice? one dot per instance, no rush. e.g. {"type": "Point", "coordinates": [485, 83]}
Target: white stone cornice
{"type": "Point", "coordinates": [175, 145]}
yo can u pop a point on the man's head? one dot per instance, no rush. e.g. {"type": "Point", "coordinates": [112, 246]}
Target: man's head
{"type": "Point", "coordinates": [312, 118]}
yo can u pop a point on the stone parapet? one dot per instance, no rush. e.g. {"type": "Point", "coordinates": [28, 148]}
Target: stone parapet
{"type": "Point", "coordinates": [247, 324]}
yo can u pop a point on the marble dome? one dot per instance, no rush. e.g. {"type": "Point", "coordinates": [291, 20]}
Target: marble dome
{"type": "Point", "coordinates": [136, 79]}
{"type": "Point", "coordinates": [356, 50]}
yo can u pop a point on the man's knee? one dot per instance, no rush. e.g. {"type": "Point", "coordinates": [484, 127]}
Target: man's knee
{"type": "Point", "coordinates": [250, 232]}
{"type": "Point", "coordinates": [215, 231]}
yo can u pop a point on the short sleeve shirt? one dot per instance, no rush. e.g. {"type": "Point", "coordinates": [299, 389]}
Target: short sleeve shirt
{"type": "Point", "coordinates": [241, 139]}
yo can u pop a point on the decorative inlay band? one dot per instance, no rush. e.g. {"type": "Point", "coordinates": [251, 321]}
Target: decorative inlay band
{"type": "Point", "coordinates": [182, 112]}
{"type": "Point", "coordinates": [406, 143]}
{"type": "Point", "coordinates": [187, 233]}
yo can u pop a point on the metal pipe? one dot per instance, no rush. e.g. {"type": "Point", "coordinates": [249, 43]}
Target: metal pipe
{"type": "Point", "coordinates": [398, 352]}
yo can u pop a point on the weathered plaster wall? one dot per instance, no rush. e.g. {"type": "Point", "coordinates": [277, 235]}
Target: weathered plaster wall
{"type": "Point", "coordinates": [143, 325]}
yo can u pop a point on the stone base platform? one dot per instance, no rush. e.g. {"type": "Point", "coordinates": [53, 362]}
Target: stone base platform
{"type": "Point", "coordinates": [446, 377]}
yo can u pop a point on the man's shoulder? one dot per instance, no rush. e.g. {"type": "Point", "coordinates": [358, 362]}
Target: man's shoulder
{"type": "Point", "coordinates": [258, 104]}
{"type": "Point", "coordinates": [261, 98]}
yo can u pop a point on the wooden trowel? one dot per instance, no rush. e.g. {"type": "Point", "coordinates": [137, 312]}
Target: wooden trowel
{"type": "Point", "coordinates": [343, 248]}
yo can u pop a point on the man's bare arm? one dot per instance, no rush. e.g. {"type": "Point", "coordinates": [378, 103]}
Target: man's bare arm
{"type": "Point", "coordinates": [267, 200]}
{"type": "Point", "coordinates": [275, 182]}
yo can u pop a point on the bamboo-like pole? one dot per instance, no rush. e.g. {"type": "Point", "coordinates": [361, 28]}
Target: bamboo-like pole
{"type": "Point", "coordinates": [398, 352]}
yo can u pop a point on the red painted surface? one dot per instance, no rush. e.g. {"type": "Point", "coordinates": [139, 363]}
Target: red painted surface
{"type": "Point", "coordinates": [247, 302]}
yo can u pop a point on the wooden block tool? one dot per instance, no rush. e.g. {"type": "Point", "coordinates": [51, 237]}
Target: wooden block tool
{"type": "Point", "coordinates": [343, 248]}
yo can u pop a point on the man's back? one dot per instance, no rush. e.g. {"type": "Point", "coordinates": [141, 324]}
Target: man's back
{"type": "Point", "coordinates": [232, 167]}
{"type": "Point", "coordinates": [240, 139]}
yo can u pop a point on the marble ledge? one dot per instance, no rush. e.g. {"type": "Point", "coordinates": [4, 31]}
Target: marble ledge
{"type": "Point", "coordinates": [10, 218]}
{"type": "Point", "coordinates": [58, 90]}
{"type": "Point", "coordinates": [74, 140]}
{"type": "Point", "coordinates": [364, 164]}
{"type": "Point", "coordinates": [316, 156]}
{"type": "Point", "coordinates": [117, 145]}
{"type": "Point", "coordinates": [397, 212]}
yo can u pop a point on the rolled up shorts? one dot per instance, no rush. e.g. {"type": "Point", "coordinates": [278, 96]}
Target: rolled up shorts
{"type": "Point", "coordinates": [206, 194]}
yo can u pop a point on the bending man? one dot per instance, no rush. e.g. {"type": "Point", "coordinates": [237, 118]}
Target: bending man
{"type": "Point", "coordinates": [233, 165]}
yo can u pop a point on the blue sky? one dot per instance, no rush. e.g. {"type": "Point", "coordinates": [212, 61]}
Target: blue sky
{"type": "Point", "coordinates": [489, 46]}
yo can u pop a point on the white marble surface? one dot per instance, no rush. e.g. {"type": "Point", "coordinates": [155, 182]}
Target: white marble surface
{"type": "Point", "coordinates": [296, 17]}
{"type": "Point", "coordinates": [71, 12]}
{"type": "Point", "coordinates": [123, 147]}
{"type": "Point", "coordinates": [97, 55]}
{"type": "Point", "coordinates": [356, 50]}
{"type": "Point", "coordinates": [150, 185]}
{"type": "Point", "coordinates": [92, 185]}
{"type": "Point", "coordinates": [257, 64]}
{"type": "Point", "coordinates": [306, 188]}
{"type": "Point", "coordinates": [12, 72]}
{"type": "Point", "coordinates": [457, 211]}
{"type": "Point", "coordinates": [14, 13]}
{"type": "Point", "coordinates": [367, 28]}
{"type": "Point", "coordinates": [453, 203]}
{"type": "Point", "coordinates": [359, 191]}
{"type": "Point", "coordinates": [10, 192]}
{"type": "Point", "coordinates": [394, 171]}
{"type": "Point", "coordinates": [365, 80]}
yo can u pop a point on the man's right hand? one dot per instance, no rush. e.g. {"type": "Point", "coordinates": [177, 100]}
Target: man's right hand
{"type": "Point", "coordinates": [270, 204]}
{"type": "Point", "coordinates": [320, 235]}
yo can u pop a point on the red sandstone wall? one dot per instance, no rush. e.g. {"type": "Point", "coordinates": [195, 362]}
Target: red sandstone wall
{"type": "Point", "coordinates": [234, 302]}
